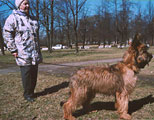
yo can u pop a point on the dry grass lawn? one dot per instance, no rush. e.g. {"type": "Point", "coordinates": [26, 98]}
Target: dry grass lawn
{"type": "Point", "coordinates": [52, 89]}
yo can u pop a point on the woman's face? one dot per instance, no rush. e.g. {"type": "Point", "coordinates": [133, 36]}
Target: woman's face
{"type": "Point", "coordinates": [25, 6]}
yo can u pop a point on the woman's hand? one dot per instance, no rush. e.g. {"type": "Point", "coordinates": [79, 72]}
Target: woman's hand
{"type": "Point", "coordinates": [15, 54]}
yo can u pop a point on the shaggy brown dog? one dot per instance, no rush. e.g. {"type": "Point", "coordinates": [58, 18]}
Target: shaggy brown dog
{"type": "Point", "coordinates": [118, 79]}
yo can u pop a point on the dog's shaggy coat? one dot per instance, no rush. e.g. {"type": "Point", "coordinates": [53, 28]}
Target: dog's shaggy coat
{"type": "Point", "coordinates": [118, 79]}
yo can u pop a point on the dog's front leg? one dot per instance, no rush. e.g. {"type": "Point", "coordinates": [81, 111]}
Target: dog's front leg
{"type": "Point", "coordinates": [121, 104]}
{"type": "Point", "coordinates": [68, 109]}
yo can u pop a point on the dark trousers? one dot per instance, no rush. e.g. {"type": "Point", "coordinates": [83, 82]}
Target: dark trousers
{"type": "Point", "coordinates": [29, 79]}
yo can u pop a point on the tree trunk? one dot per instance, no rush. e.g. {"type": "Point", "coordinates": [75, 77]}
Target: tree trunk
{"type": "Point", "coordinates": [37, 16]}
{"type": "Point", "coordinates": [75, 27]}
{"type": "Point", "coordinates": [1, 42]}
{"type": "Point", "coordinates": [52, 29]}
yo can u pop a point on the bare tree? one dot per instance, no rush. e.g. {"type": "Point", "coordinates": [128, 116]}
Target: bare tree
{"type": "Point", "coordinates": [68, 24]}
{"type": "Point", "coordinates": [37, 17]}
{"type": "Point", "coordinates": [138, 24]}
{"type": "Point", "coordinates": [61, 29]}
{"type": "Point", "coordinates": [151, 20]}
{"type": "Point", "coordinates": [1, 41]}
{"type": "Point", "coordinates": [66, 12]}
{"type": "Point", "coordinates": [123, 25]}
{"type": "Point", "coordinates": [63, 19]}
{"type": "Point", "coordinates": [104, 22]}
{"type": "Point", "coordinates": [115, 20]}
{"type": "Point", "coordinates": [45, 22]}
{"type": "Point", "coordinates": [75, 6]}
{"type": "Point", "coordinates": [51, 24]}
{"type": "Point", "coordinates": [99, 25]}
{"type": "Point", "coordinates": [83, 26]}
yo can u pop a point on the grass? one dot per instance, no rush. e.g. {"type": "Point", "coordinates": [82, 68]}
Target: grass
{"type": "Point", "coordinates": [68, 55]}
{"type": "Point", "coordinates": [64, 56]}
{"type": "Point", "coordinates": [52, 89]}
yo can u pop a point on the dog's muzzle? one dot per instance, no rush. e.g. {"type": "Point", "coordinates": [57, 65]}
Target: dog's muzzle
{"type": "Point", "coordinates": [146, 61]}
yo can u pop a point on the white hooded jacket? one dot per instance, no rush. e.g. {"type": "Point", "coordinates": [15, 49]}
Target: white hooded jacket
{"type": "Point", "coordinates": [19, 34]}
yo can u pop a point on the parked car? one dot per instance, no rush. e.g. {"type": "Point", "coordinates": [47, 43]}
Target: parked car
{"type": "Point", "coordinates": [59, 46]}
{"type": "Point", "coordinates": [44, 49]}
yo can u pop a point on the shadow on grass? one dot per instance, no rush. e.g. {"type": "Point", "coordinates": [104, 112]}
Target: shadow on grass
{"type": "Point", "coordinates": [53, 89]}
{"type": "Point", "coordinates": [134, 106]}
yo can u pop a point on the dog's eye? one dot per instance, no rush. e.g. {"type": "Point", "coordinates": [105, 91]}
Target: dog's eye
{"type": "Point", "coordinates": [140, 58]}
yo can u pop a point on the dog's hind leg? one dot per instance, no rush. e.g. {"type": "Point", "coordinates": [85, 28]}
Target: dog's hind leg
{"type": "Point", "coordinates": [70, 106]}
{"type": "Point", "coordinates": [76, 99]}
{"type": "Point", "coordinates": [86, 104]}
{"type": "Point", "coordinates": [122, 100]}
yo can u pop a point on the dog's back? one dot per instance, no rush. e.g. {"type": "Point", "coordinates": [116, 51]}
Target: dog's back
{"type": "Point", "coordinates": [106, 79]}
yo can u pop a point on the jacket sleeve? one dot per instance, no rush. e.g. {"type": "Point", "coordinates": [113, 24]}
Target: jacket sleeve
{"type": "Point", "coordinates": [9, 31]}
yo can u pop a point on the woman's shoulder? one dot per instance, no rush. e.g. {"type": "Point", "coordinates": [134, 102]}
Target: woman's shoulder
{"type": "Point", "coordinates": [11, 15]}
{"type": "Point", "coordinates": [11, 18]}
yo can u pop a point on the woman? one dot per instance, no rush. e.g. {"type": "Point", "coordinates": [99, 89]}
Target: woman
{"type": "Point", "coordinates": [19, 32]}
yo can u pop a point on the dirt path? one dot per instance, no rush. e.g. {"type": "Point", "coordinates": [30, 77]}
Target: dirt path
{"type": "Point", "coordinates": [65, 68]}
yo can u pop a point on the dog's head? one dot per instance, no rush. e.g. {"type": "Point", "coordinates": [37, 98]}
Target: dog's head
{"type": "Point", "coordinates": [137, 54]}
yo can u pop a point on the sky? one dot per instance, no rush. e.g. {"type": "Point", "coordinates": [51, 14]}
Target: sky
{"type": "Point", "coordinates": [93, 4]}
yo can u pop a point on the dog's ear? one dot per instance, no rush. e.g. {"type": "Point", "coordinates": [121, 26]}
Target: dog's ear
{"type": "Point", "coordinates": [136, 41]}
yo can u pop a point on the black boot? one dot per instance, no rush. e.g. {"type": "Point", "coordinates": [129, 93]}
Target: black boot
{"type": "Point", "coordinates": [29, 99]}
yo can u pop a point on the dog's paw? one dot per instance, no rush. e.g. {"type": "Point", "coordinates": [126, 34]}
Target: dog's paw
{"type": "Point", "coordinates": [125, 116]}
{"type": "Point", "coordinates": [69, 118]}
